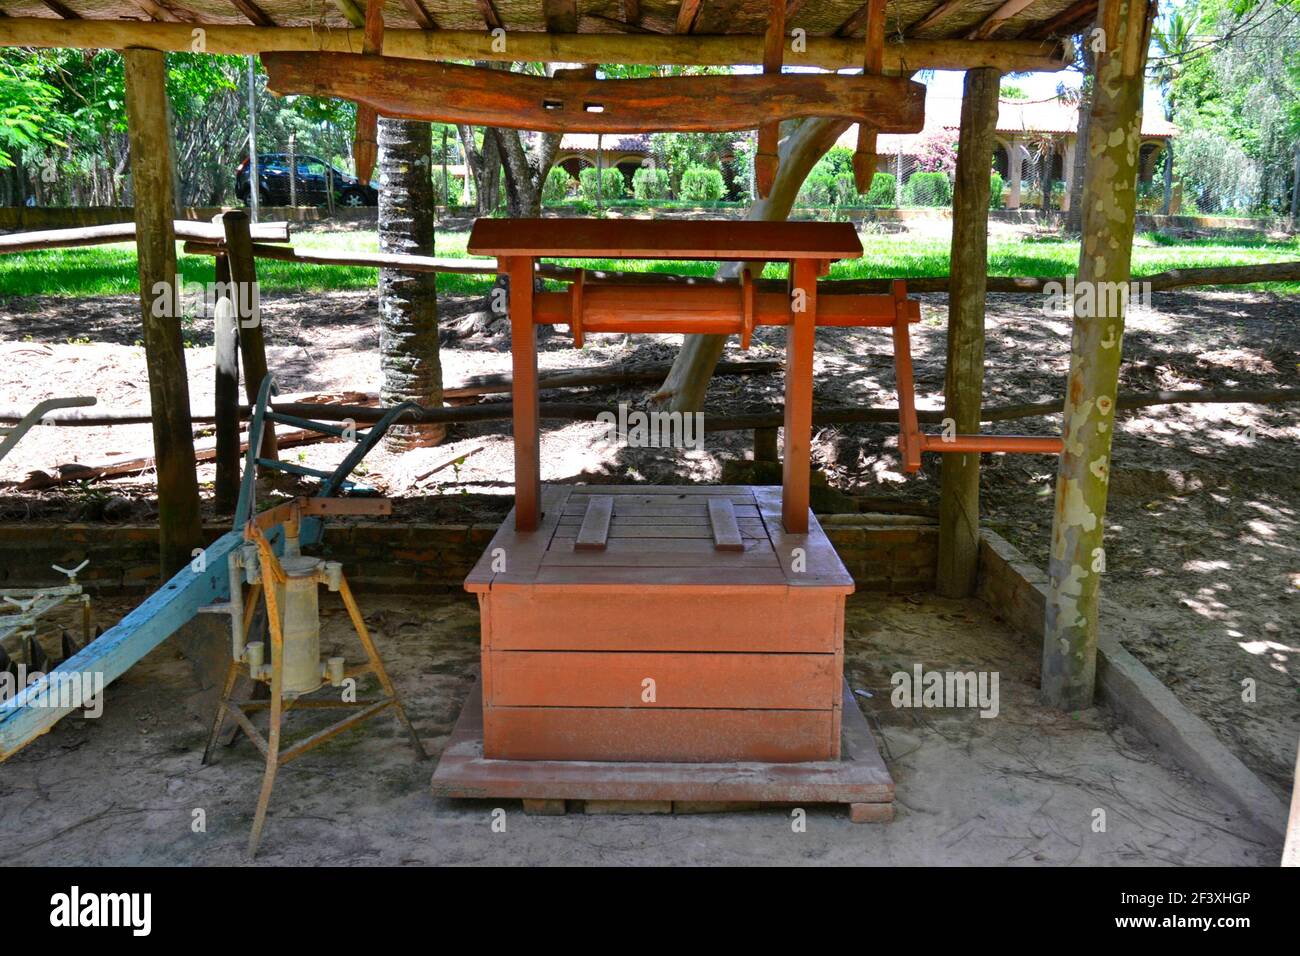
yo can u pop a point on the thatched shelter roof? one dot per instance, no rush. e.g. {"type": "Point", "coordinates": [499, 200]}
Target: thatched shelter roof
{"type": "Point", "coordinates": [921, 19]}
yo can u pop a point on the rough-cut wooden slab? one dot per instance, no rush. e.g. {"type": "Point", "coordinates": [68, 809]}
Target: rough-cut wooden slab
{"type": "Point", "coordinates": [595, 524]}
{"type": "Point", "coordinates": [722, 519]}
{"type": "Point", "coordinates": [858, 777]}
{"type": "Point", "coordinates": [672, 680]}
{"type": "Point", "coordinates": [451, 93]}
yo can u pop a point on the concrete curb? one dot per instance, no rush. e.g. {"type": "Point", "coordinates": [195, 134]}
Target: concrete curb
{"type": "Point", "coordinates": [1018, 591]}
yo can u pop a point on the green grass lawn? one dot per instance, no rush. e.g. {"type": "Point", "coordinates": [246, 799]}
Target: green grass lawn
{"type": "Point", "coordinates": [111, 270]}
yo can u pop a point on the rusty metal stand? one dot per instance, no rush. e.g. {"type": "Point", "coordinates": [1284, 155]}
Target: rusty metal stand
{"type": "Point", "coordinates": [272, 580]}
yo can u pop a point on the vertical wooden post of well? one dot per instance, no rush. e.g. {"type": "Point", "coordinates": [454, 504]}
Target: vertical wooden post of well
{"type": "Point", "coordinates": [225, 341]}
{"type": "Point", "coordinates": [959, 497]}
{"type": "Point", "coordinates": [246, 296]}
{"type": "Point", "coordinates": [796, 455]}
{"type": "Point", "coordinates": [179, 530]}
{"type": "Point", "coordinates": [527, 425]}
{"type": "Point", "coordinates": [1076, 560]}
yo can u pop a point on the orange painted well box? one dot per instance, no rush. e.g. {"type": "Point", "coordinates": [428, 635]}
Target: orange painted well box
{"type": "Point", "coordinates": [655, 623]}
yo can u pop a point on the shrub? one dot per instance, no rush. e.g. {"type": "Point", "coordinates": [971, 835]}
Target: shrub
{"type": "Point", "coordinates": [881, 192]}
{"type": "Point", "coordinates": [557, 185]}
{"type": "Point", "coordinates": [996, 184]}
{"type": "Point", "coordinates": [928, 189]}
{"type": "Point", "coordinates": [612, 183]}
{"type": "Point", "coordinates": [701, 184]}
{"type": "Point", "coordinates": [650, 182]}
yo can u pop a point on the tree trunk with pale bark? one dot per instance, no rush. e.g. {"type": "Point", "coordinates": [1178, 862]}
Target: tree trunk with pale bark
{"type": "Point", "coordinates": [806, 142]}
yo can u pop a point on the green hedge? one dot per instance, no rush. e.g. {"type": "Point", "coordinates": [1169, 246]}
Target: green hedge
{"type": "Point", "coordinates": [612, 183]}
{"type": "Point", "coordinates": [651, 183]}
{"type": "Point", "coordinates": [557, 186]}
{"type": "Point", "coordinates": [996, 185]}
{"type": "Point", "coordinates": [881, 192]}
{"type": "Point", "coordinates": [701, 184]}
{"type": "Point", "coordinates": [928, 189]}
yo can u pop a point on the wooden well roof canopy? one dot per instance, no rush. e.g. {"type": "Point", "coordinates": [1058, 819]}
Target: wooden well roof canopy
{"type": "Point", "coordinates": [921, 34]}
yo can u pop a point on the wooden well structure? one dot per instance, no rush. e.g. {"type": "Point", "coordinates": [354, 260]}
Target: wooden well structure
{"type": "Point", "coordinates": [395, 58]}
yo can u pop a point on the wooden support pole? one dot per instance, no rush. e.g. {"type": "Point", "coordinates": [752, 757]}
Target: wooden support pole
{"type": "Point", "coordinates": [248, 312]}
{"type": "Point", "coordinates": [1077, 559]}
{"type": "Point", "coordinates": [523, 358]}
{"type": "Point", "coordinates": [225, 338]}
{"type": "Point", "coordinates": [959, 497]}
{"type": "Point", "coordinates": [179, 530]}
{"type": "Point", "coordinates": [796, 458]}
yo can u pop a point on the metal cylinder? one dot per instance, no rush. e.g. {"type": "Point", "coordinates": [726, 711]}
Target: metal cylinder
{"type": "Point", "coordinates": [300, 626]}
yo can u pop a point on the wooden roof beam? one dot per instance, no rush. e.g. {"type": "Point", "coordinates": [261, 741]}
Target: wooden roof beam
{"type": "Point", "coordinates": [249, 9]}
{"type": "Point", "coordinates": [995, 20]}
{"type": "Point", "coordinates": [687, 14]}
{"type": "Point", "coordinates": [490, 15]}
{"type": "Point", "coordinates": [61, 10]}
{"type": "Point", "coordinates": [941, 12]}
{"type": "Point", "coordinates": [1069, 21]}
{"type": "Point", "coordinates": [450, 93]}
{"type": "Point", "coordinates": [561, 15]}
{"type": "Point", "coordinates": [829, 53]}
{"type": "Point", "coordinates": [420, 15]}
{"type": "Point", "coordinates": [351, 12]}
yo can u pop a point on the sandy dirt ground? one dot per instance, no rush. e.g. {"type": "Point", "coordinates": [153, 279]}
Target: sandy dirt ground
{"type": "Point", "coordinates": [1029, 786]}
{"type": "Point", "coordinates": [1202, 522]}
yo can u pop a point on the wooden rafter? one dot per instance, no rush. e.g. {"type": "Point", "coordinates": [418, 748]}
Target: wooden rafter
{"type": "Point", "coordinates": [995, 20]}
{"type": "Point", "coordinates": [351, 12]}
{"type": "Point", "coordinates": [830, 53]}
{"type": "Point", "coordinates": [63, 11]}
{"type": "Point", "coordinates": [490, 15]}
{"type": "Point", "coordinates": [632, 12]}
{"type": "Point", "coordinates": [622, 26]}
{"type": "Point", "coordinates": [159, 12]}
{"type": "Point", "coordinates": [561, 15]}
{"type": "Point", "coordinates": [941, 12]}
{"type": "Point", "coordinates": [856, 23]}
{"type": "Point", "coordinates": [251, 11]}
{"type": "Point", "coordinates": [450, 93]}
{"type": "Point", "coordinates": [1068, 21]}
{"type": "Point", "coordinates": [687, 14]}
{"type": "Point", "coordinates": [420, 15]}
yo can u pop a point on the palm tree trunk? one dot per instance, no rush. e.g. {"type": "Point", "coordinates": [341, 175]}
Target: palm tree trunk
{"type": "Point", "coordinates": [408, 301]}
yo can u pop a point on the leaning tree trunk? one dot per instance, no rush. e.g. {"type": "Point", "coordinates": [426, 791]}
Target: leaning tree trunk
{"type": "Point", "coordinates": [688, 379]}
{"type": "Point", "coordinates": [408, 303]}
